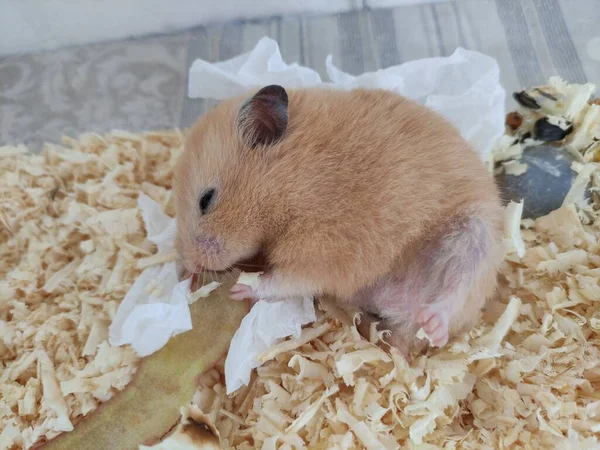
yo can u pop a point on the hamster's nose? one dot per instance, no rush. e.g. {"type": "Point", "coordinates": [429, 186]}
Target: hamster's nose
{"type": "Point", "coordinates": [208, 244]}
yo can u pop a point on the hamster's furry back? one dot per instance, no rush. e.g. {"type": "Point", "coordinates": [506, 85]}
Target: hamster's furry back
{"type": "Point", "coordinates": [357, 178]}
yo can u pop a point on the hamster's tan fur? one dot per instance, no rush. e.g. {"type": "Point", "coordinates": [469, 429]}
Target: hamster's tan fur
{"type": "Point", "coordinates": [365, 192]}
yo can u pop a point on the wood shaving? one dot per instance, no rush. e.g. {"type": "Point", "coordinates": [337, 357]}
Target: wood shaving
{"type": "Point", "coordinates": [422, 334]}
{"type": "Point", "coordinates": [159, 258]}
{"type": "Point", "coordinates": [513, 241]}
{"type": "Point", "coordinates": [202, 292]}
{"type": "Point", "coordinates": [526, 377]}
{"type": "Point", "coordinates": [194, 431]}
{"type": "Point", "coordinates": [250, 279]}
{"type": "Point", "coordinates": [71, 245]}
{"type": "Point", "coordinates": [514, 167]}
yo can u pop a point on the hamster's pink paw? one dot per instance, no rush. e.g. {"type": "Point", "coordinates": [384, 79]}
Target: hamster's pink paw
{"type": "Point", "coordinates": [435, 320]}
{"type": "Point", "coordinates": [243, 292]}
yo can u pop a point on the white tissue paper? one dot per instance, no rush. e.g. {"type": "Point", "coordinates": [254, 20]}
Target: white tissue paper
{"type": "Point", "coordinates": [464, 87]}
{"type": "Point", "coordinates": [264, 326]}
{"type": "Point", "coordinates": [156, 306]}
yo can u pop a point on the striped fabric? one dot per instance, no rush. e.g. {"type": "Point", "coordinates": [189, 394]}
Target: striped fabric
{"type": "Point", "coordinates": [141, 84]}
{"type": "Point", "coordinates": [530, 39]}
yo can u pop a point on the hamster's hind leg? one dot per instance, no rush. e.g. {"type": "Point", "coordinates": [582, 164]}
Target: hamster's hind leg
{"type": "Point", "coordinates": [461, 268]}
{"type": "Point", "coordinates": [441, 285]}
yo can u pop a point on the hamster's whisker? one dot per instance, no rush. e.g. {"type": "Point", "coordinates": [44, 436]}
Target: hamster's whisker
{"type": "Point", "coordinates": [229, 276]}
{"type": "Point", "coordinates": [227, 272]}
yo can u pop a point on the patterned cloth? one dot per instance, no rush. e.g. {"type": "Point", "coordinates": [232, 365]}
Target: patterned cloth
{"type": "Point", "coordinates": [141, 84]}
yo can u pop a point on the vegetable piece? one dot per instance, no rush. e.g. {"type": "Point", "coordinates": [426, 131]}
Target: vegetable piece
{"type": "Point", "coordinates": [149, 407]}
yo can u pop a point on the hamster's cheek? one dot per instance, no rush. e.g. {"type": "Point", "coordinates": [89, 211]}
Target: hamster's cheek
{"type": "Point", "coordinates": [196, 260]}
{"type": "Point", "coordinates": [188, 259]}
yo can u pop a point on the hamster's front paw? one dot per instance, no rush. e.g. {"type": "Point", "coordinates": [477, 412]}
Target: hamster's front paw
{"type": "Point", "coordinates": [244, 292]}
{"type": "Point", "coordinates": [270, 287]}
{"type": "Point", "coordinates": [259, 291]}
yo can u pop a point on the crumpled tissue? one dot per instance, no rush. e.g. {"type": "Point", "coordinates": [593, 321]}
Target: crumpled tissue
{"type": "Point", "coordinates": [264, 326]}
{"type": "Point", "coordinates": [464, 87]}
{"type": "Point", "coordinates": [156, 306]}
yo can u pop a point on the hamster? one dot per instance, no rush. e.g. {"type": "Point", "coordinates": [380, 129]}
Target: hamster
{"type": "Point", "coordinates": [362, 195]}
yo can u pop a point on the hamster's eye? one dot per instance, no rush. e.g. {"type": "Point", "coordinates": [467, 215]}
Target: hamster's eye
{"type": "Point", "coordinates": [206, 200]}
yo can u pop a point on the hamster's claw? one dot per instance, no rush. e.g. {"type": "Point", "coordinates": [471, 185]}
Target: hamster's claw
{"type": "Point", "coordinates": [243, 292]}
{"type": "Point", "coordinates": [434, 319]}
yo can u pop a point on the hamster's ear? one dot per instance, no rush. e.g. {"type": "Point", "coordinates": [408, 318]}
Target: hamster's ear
{"type": "Point", "coordinates": [262, 119]}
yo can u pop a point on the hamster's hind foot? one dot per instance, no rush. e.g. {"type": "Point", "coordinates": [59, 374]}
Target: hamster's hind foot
{"type": "Point", "coordinates": [435, 320]}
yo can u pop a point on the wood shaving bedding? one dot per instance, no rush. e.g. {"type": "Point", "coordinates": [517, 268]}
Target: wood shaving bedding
{"type": "Point", "coordinates": [71, 244]}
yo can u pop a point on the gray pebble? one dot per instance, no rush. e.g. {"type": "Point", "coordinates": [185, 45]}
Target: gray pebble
{"type": "Point", "coordinates": [545, 183]}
